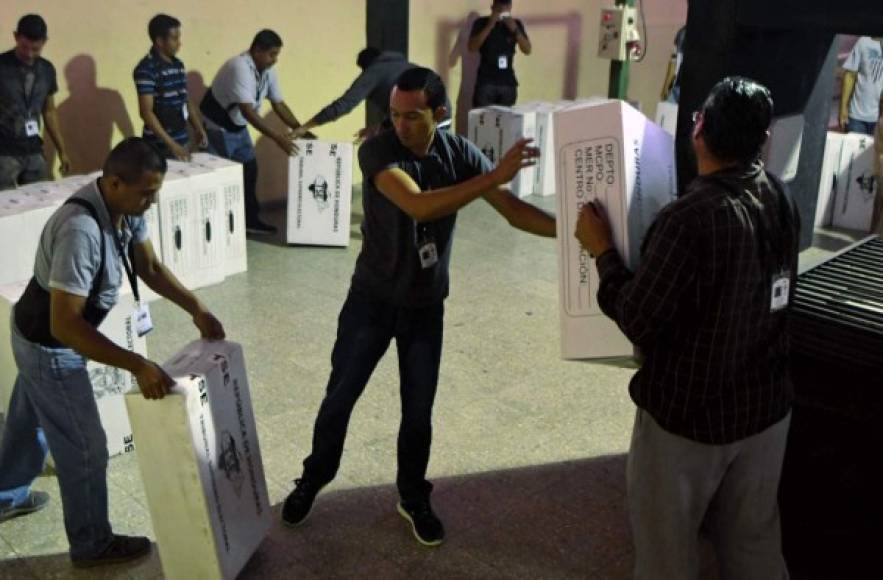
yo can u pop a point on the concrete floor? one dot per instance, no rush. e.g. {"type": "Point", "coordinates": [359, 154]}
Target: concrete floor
{"type": "Point", "coordinates": [528, 455]}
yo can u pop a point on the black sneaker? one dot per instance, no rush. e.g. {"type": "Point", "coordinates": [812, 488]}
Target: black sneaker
{"type": "Point", "coordinates": [299, 502]}
{"type": "Point", "coordinates": [257, 227]}
{"type": "Point", "coordinates": [427, 528]}
{"type": "Point", "coordinates": [121, 549]}
{"type": "Point", "coordinates": [35, 501]}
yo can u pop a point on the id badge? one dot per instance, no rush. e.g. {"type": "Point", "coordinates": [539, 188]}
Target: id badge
{"type": "Point", "coordinates": [781, 289]}
{"type": "Point", "coordinates": [503, 62]}
{"type": "Point", "coordinates": [32, 128]}
{"type": "Point", "coordinates": [143, 322]}
{"type": "Point", "coordinates": [428, 255]}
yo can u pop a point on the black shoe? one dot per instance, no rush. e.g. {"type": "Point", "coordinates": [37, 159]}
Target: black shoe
{"type": "Point", "coordinates": [299, 502]}
{"type": "Point", "coordinates": [121, 549]}
{"type": "Point", "coordinates": [35, 501]}
{"type": "Point", "coordinates": [258, 227]}
{"type": "Point", "coordinates": [427, 528]}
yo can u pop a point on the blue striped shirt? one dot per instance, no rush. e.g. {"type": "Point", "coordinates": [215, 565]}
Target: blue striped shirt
{"type": "Point", "coordinates": [167, 82]}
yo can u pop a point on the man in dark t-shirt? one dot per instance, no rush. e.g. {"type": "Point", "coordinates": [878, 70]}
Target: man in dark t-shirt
{"type": "Point", "coordinates": [27, 88]}
{"type": "Point", "coordinates": [416, 178]}
{"type": "Point", "coordinates": [495, 38]}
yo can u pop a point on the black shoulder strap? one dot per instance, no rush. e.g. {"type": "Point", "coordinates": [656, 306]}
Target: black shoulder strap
{"type": "Point", "coordinates": [99, 276]}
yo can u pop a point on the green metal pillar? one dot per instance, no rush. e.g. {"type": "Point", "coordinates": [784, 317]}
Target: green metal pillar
{"type": "Point", "coordinates": [619, 69]}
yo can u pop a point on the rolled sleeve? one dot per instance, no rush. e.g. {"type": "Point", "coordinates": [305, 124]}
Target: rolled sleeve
{"type": "Point", "coordinates": [75, 261]}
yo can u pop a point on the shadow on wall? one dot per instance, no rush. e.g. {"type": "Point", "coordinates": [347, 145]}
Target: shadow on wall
{"type": "Point", "coordinates": [571, 24]}
{"type": "Point", "coordinates": [88, 117]}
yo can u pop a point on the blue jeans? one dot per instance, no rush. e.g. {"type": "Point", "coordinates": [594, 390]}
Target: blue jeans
{"type": "Point", "coordinates": [365, 329]}
{"type": "Point", "coordinates": [864, 127]}
{"type": "Point", "coordinates": [238, 147]}
{"type": "Point", "coordinates": [53, 392]}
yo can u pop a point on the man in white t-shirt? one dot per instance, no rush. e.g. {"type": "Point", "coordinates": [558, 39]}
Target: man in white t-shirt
{"type": "Point", "coordinates": [862, 86]}
{"type": "Point", "coordinates": [233, 102]}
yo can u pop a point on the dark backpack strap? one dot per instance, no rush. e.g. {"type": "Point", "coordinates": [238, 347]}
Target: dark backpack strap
{"type": "Point", "coordinates": [219, 115]}
{"type": "Point", "coordinates": [99, 276]}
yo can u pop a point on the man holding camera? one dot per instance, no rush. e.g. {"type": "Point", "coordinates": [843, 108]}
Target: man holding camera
{"type": "Point", "coordinates": [495, 38]}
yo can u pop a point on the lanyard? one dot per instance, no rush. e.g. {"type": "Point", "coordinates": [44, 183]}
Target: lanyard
{"type": "Point", "coordinates": [130, 268]}
{"type": "Point", "coordinates": [259, 78]}
{"type": "Point", "coordinates": [28, 97]}
{"type": "Point", "coordinates": [131, 272]}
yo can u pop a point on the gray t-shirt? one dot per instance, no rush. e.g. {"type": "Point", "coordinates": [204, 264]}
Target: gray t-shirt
{"type": "Point", "coordinates": [866, 60]}
{"type": "Point", "coordinates": [69, 253]}
{"type": "Point", "coordinates": [239, 82]}
{"type": "Point", "coordinates": [388, 268]}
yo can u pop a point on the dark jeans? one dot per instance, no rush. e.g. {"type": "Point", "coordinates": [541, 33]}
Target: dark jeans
{"type": "Point", "coordinates": [16, 170]}
{"type": "Point", "coordinates": [487, 94]}
{"type": "Point", "coordinates": [864, 127]}
{"type": "Point", "coordinates": [238, 146]}
{"type": "Point", "coordinates": [365, 329]}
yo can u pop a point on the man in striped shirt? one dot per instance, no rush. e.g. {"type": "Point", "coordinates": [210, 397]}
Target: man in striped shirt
{"type": "Point", "coordinates": [161, 81]}
{"type": "Point", "coordinates": [707, 307]}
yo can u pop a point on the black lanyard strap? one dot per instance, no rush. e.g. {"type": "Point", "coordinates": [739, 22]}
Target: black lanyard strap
{"type": "Point", "coordinates": [28, 96]}
{"type": "Point", "coordinates": [127, 258]}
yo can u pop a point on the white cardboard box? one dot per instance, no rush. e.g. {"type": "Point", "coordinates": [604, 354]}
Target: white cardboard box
{"type": "Point", "coordinates": [109, 384]}
{"type": "Point", "coordinates": [229, 175]}
{"type": "Point", "coordinates": [200, 461]}
{"type": "Point", "coordinates": [496, 129]}
{"type": "Point", "coordinates": [544, 175]}
{"type": "Point", "coordinates": [611, 152]}
{"type": "Point", "coordinates": [9, 295]}
{"type": "Point", "coordinates": [485, 133]}
{"type": "Point", "coordinates": [856, 184]}
{"type": "Point", "coordinates": [828, 179]}
{"type": "Point", "coordinates": [176, 207]}
{"type": "Point", "coordinates": [667, 116]}
{"type": "Point", "coordinates": [515, 124]}
{"type": "Point", "coordinates": [781, 153]}
{"type": "Point", "coordinates": [320, 184]}
{"type": "Point", "coordinates": [22, 219]}
{"type": "Point", "coordinates": [207, 222]}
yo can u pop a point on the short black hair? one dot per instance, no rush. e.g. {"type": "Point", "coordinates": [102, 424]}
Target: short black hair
{"type": "Point", "coordinates": [161, 25]}
{"type": "Point", "coordinates": [266, 39]}
{"type": "Point", "coordinates": [426, 80]}
{"type": "Point", "coordinates": [32, 27]}
{"type": "Point", "coordinates": [367, 57]}
{"type": "Point", "coordinates": [132, 158]}
{"type": "Point", "coordinates": [735, 119]}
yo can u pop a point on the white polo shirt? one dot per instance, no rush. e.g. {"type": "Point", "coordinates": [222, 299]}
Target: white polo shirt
{"type": "Point", "coordinates": [239, 81]}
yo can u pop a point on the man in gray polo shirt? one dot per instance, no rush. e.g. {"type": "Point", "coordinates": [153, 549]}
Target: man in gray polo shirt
{"type": "Point", "coordinates": [77, 276]}
{"type": "Point", "coordinates": [27, 86]}
{"type": "Point", "coordinates": [234, 101]}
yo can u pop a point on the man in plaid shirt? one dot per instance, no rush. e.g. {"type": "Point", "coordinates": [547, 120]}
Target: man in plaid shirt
{"type": "Point", "coordinates": [707, 307]}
